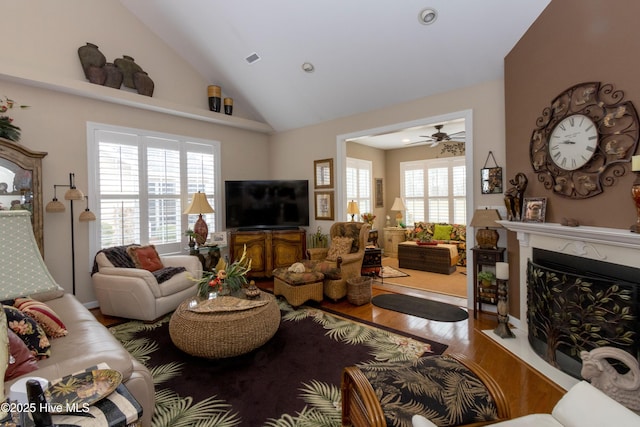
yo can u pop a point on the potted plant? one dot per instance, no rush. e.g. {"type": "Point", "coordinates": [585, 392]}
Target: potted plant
{"type": "Point", "coordinates": [486, 278]}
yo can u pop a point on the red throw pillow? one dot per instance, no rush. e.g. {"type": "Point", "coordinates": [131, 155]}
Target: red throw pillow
{"type": "Point", "coordinates": [21, 360]}
{"type": "Point", "coordinates": [145, 257]}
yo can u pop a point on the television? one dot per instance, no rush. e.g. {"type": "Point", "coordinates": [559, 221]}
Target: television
{"type": "Point", "coordinates": [267, 204]}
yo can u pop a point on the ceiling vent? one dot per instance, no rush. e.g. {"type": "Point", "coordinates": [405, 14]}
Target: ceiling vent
{"type": "Point", "coordinates": [252, 58]}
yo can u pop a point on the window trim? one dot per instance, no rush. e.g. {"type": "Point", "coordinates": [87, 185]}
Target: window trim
{"type": "Point", "coordinates": [359, 164]}
{"type": "Point", "coordinates": [93, 178]}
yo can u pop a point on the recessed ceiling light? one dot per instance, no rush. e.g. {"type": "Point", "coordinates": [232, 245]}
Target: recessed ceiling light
{"type": "Point", "coordinates": [427, 16]}
{"type": "Point", "coordinates": [308, 67]}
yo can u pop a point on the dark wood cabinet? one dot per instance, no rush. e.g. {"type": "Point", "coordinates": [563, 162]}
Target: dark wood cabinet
{"type": "Point", "coordinates": [372, 262]}
{"type": "Point", "coordinates": [268, 249]}
{"type": "Point", "coordinates": [484, 258]}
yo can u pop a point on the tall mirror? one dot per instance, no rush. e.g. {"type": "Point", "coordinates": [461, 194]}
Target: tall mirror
{"type": "Point", "coordinates": [21, 183]}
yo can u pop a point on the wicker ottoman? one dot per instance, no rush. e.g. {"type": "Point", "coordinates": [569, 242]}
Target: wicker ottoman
{"type": "Point", "coordinates": [224, 334]}
{"type": "Point", "coordinates": [298, 288]}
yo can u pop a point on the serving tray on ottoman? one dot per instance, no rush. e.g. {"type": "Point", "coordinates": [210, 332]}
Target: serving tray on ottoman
{"type": "Point", "coordinates": [441, 258]}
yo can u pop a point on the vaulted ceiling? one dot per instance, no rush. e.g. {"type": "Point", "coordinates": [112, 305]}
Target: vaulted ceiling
{"type": "Point", "coordinates": [367, 54]}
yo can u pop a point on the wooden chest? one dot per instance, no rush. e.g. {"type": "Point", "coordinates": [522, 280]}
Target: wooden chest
{"type": "Point", "coordinates": [436, 259]}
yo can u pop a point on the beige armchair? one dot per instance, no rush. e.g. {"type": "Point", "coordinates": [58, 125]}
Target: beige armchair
{"type": "Point", "coordinates": [349, 261]}
{"type": "Point", "coordinates": [134, 293]}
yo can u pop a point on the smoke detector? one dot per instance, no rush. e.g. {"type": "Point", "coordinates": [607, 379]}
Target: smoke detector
{"type": "Point", "coordinates": [427, 16]}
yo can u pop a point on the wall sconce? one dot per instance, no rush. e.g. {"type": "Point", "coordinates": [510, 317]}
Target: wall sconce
{"type": "Point", "coordinates": [56, 206]}
{"type": "Point", "coordinates": [199, 205]}
{"type": "Point", "coordinates": [353, 209]}
{"type": "Point", "coordinates": [399, 206]}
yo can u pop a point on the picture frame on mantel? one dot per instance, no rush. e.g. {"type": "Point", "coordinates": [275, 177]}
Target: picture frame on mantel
{"type": "Point", "coordinates": [324, 205]}
{"type": "Point", "coordinates": [323, 173]}
{"type": "Point", "coordinates": [534, 209]}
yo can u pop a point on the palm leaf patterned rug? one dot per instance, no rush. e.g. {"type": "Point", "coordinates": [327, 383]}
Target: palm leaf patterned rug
{"type": "Point", "coordinates": [293, 380]}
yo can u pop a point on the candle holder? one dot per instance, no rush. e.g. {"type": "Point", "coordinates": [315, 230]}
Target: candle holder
{"type": "Point", "coordinates": [502, 281]}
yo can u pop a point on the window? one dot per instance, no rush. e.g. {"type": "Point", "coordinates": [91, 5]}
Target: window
{"type": "Point", "coordinates": [434, 190]}
{"type": "Point", "coordinates": [359, 185]}
{"type": "Point", "coordinates": [142, 183]}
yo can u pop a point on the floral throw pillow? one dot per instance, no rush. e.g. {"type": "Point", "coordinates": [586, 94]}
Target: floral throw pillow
{"type": "Point", "coordinates": [340, 246]}
{"type": "Point", "coordinates": [44, 315]}
{"type": "Point", "coordinates": [29, 331]}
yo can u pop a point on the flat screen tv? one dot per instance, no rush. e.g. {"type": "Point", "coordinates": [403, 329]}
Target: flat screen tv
{"type": "Point", "coordinates": [273, 204]}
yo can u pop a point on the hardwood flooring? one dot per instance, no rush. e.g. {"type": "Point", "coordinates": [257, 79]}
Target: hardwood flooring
{"type": "Point", "coordinates": [526, 390]}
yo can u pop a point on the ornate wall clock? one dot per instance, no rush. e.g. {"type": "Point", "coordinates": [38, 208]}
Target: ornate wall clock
{"type": "Point", "coordinates": [581, 141]}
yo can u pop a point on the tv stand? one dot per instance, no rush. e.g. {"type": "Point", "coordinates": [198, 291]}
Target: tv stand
{"type": "Point", "coordinates": [269, 228]}
{"type": "Point", "coordinates": [268, 248]}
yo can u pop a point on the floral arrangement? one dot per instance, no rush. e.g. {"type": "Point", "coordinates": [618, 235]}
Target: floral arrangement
{"type": "Point", "coordinates": [368, 217]}
{"type": "Point", "coordinates": [225, 278]}
{"type": "Point", "coordinates": [7, 129]}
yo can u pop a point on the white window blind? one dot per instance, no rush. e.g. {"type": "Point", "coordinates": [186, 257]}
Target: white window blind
{"type": "Point", "coordinates": [434, 190]}
{"type": "Point", "coordinates": [359, 184]}
{"type": "Point", "coordinates": [143, 182]}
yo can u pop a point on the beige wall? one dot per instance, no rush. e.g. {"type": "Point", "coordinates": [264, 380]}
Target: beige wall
{"type": "Point", "coordinates": [573, 41]}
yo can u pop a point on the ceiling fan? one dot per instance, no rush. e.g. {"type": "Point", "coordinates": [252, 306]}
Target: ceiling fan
{"type": "Point", "coordinates": [439, 136]}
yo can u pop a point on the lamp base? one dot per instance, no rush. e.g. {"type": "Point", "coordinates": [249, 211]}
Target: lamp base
{"type": "Point", "coordinates": [487, 238]}
{"type": "Point", "coordinates": [201, 231]}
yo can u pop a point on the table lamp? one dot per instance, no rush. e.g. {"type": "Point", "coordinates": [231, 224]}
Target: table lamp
{"type": "Point", "coordinates": [199, 205]}
{"type": "Point", "coordinates": [487, 237]}
{"type": "Point", "coordinates": [352, 209]}
{"type": "Point", "coordinates": [398, 205]}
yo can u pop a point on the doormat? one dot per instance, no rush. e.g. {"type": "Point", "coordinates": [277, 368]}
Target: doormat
{"type": "Point", "coordinates": [420, 307]}
{"type": "Point", "coordinates": [387, 272]}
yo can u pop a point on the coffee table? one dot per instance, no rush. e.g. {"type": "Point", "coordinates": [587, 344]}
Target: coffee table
{"type": "Point", "coordinates": [440, 258]}
{"type": "Point", "coordinates": [222, 334]}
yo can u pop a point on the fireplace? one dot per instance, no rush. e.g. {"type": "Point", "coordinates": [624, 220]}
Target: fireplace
{"type": "Point", "coordinates": [576, 303]}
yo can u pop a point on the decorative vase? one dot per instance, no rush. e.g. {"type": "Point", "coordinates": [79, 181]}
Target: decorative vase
{"type": "Point", "coordinates": [90, 56]}
{"type": "Point", "coordinates": [128, 66]}
{"type": "Point", "coordinates": [143, 83]}
{"type": "Point", "coordinates": [214, 93]}
{"type": "Point", "coordinates": [228, 106]}
{"type": "Point", "coordinates": [114, 76]}
{"type": "Point", "coordinates": [96, 75]}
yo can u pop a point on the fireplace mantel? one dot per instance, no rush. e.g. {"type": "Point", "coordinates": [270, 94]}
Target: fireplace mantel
{"type": "Point", "coordinates": [610, 236]}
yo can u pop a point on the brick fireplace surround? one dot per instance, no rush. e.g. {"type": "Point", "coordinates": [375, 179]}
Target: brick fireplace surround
{"type": "Point", "coordinates": [611, 245]}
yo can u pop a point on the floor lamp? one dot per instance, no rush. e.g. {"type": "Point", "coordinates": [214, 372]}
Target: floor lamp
{"type": "Point", "coordinates": [56, 206]}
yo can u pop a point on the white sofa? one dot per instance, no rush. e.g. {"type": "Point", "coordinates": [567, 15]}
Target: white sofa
{"type": "Point", "coordinates": [582, 406]}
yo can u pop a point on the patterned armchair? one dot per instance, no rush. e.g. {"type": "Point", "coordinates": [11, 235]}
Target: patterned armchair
{"type": "Point", "coordinates": [346, 251]}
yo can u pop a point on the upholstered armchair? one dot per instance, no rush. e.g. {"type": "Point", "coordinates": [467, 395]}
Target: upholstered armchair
{"type": "Point", "coordinates": [145, 289]}
{"type": "Point", "coordinates": [346, 251]}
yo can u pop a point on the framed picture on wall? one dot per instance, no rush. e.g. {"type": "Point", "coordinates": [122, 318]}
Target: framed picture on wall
{"type": "Point", "coordinates": [379, 193]}
{"type": "Point", "coordinates": [323, 173]}
{"type": "Point", "coordinates": [324, 205]}
{"type": "Point", "coordinates": [534, 209]}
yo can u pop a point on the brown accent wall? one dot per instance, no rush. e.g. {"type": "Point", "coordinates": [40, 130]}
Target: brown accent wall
{"type": "Point", "coordinates": [573, 41]}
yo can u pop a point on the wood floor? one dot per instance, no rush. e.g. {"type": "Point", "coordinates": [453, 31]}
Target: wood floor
{"type": "Point", "coordinates": [526, 390]}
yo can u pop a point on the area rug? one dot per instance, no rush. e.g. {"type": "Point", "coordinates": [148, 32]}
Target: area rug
{"type": "Point", "coordinates": [292, 380]}
{"type": "Point", "coordinates": [420, 307]}
{"type": "Point", "coordinates": [388, 272]}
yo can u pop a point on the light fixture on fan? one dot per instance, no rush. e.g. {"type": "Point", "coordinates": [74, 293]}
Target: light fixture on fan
{"type": "Point", "coordinates": [199, 205]}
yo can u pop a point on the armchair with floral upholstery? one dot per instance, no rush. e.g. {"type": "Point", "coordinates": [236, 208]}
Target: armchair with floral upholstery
{"type": "Point", "coordinates": [346, 251]}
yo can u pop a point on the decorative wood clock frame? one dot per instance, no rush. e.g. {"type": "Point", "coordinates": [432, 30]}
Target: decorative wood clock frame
{"type": "Point", "coordinates": [618, 131]}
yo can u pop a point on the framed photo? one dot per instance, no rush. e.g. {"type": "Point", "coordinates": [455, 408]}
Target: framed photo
{"type": "Point", "coordinates": [219, 238]}
{"type": "Point", "coordinates": [379, 193]}
{"type": "Point", "coordinates": [324, 205]}
{"type": "Point", "coordinates": [491, 179]}
{"type": "Point", "coordinates": [534, 209]}
{"type": "Point", "coordinates": [323, 173]}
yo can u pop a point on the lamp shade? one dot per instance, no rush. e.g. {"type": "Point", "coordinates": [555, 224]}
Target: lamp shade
{"type": "Point", "coordinates": [73, 194]}
{"type": "Point", "coordinates": [54, 206]}
{"type": "Point", "coordinates": [352, 208]}
{"type": "Point", "coordinates": [398, 205]}
{"type": "Point", "coordinates": [486, 238]}
{"type": "Point", "coordinates": [199, 205]}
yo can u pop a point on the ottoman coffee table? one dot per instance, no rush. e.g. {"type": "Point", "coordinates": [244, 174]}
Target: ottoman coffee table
{"type": "Point", "coordinates": [224, 328]}
{"type": "Point", "coordinates": [440, 258]}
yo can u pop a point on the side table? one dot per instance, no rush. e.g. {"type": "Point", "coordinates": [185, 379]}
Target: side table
{"type": "Point", "coordinates": [372, 262]}
{"type": "Point", "coordinates": [393, 236]}
{"type": "Point", "coordinates": [483, 258]}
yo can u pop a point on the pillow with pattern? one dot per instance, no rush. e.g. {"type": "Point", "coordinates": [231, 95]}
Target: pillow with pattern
{"type": "Point", "coordinates": [340, 246]}
{"type": "Point", "coordinates": [44, 315]}
{"type": "Point", "coordinates": [145, 257]}
{"type": "Point", "coordinates": [29, 331]}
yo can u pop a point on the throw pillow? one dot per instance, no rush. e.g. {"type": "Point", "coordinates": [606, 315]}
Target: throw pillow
{"type": "Point", "coordinates": [442, 232]}
{"type": "Point", "coordinates": [145, 257]}
{"type": "Point", "coordinates": [21, 360]}
{"type": "Point", "coordinates": [44, 315]}
{"type": "Point", "coordinates": [339, 246]}
{"type": "Point", "coordinates": [29, 332]}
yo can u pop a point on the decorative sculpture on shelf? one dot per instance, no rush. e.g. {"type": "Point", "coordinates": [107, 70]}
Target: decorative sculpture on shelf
{"type": "Point", "coordinates": [514, 196]}
{"type": "Point", "coordinates": [624, 388]}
